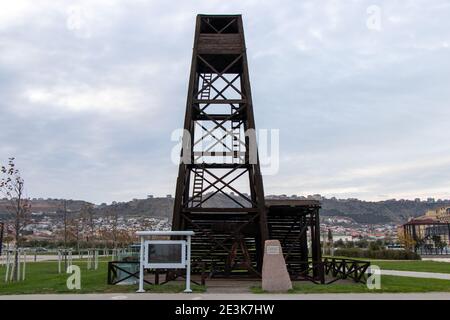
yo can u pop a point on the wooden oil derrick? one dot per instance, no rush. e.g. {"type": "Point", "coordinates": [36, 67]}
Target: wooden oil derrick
{"type": "Point", "coordinates": [219, 158]}
{"type": "Point", "coordinates": [219, 161]}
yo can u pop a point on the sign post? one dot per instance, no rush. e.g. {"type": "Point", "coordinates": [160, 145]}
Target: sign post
{"type": "Point", "coordinates": [188, 265]}
{"type": "Point", "coordinates": [141, 267]}
{"type": "Point", "coordinates": [165, 254]}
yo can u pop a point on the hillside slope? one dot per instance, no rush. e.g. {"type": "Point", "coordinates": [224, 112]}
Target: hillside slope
{"type": "Point", "coordinates": [361, 211]}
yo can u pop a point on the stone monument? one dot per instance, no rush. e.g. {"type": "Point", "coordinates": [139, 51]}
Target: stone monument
{"type": "Point", "coordinates": [275, 277]}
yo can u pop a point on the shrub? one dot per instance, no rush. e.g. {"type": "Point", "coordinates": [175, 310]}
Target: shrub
{"type": "Point", "coordinates": [377, 254]}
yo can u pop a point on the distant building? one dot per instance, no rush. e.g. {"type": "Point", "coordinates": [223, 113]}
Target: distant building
{"type": "Point", "coordinates": [441, 214]}
{"type": "Point", "coordinates": [425, 229]}
{"type": "Point", "coordinates": [342, 237]}
{"type": "Point", "coordinates": [316, 196]}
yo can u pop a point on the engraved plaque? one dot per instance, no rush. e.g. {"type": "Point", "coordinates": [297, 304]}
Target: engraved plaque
{"type": "Point", "coordinates": [273, 250]}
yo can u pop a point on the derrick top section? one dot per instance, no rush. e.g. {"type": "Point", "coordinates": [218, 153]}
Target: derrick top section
{"type": "Point", "coordinates": [219, 34]}
{"type": "Point", "coordinates": [219, 24]}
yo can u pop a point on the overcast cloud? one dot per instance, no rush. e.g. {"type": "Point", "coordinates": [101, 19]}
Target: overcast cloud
{"type": "Point", "coordinates": [91, 91]}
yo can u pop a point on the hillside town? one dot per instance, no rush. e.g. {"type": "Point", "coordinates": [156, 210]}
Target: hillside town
{"type": "Point", "coordinates": [48, 222]}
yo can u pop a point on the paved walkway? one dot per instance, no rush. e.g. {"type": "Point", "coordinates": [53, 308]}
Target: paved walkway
{"type": "Point", "coordinates": [438, 259]}
{"type": "Point", "coordinates": [242, 296]}
{"type": "Point", "coordinates": [414, 274]}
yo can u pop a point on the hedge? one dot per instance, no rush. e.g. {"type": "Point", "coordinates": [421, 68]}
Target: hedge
{"type": "Point", "coordinates": [377, 254]}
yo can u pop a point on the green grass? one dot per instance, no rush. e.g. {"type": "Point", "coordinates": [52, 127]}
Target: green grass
{"type": "Point", "coordinates": [408, 265]}
{"type": "Point", "coordinates": [389, 284]}
{"type": "Point", "coordinates": [43, 277]}
{"type": "Point", "coordinates": [413, 265]}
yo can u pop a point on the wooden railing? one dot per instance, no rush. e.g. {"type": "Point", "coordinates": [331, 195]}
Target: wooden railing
{"type": "Point", "coordinates": [342, 268]}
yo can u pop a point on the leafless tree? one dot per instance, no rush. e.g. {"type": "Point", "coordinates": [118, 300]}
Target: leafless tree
{"type": "Point", "coordinates": [12, 186]}
{"type": "Point", "coordinates": [114, 219]}
{"type": "Point", "coordinates": [65, 223]}
{"type": "Point", "coordinates": [69, 229]}
{"type": "Point", "coordinates": [77, 229]}
{"type": "Point", "coordinates": [87, 220]}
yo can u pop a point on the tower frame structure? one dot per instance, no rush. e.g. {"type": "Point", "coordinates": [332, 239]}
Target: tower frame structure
{"type": "Point", "coordinates": [219, 157]}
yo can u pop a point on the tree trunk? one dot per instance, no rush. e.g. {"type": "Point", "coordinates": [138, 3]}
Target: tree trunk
{"type": "Point", "coordinates": [16, 255]}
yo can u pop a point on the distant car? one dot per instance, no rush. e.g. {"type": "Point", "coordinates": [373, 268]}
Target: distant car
{"type": "Point", "coordinates": [395, 247]}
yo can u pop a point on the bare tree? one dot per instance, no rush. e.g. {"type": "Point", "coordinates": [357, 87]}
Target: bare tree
{"type": "Point", "coordinates": [71, 226]}
{"type": "Point", "coordinates": [407, 241]}
{"type": "Point", "coordinates": [12, 186]}
{"type": "Point", "coordinates": [65, 223]}
{"type": "Point", "coordinates": [87, 220]}
{"type": "Point", "coordinates": [67, 229]}
{"type": "Point", "coordinates": [2, 228]}
{"type": "Point", "coordinates": [76, 226]}
{"type": "Point", "coordinates": [114, 219]}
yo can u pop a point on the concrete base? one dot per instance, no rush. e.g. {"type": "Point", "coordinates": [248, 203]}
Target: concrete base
{"type": "Point", "coordinates": [275, 277]}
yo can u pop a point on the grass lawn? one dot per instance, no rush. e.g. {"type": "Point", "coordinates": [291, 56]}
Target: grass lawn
{"type": "Point", "coordinates": [413, 265]}
{"type": "Point", "coordinates": [408, 265]}
{"type": "Point", "coordinates": [43, 277]}
{"type": "Point", "coordinates": [389, 284]}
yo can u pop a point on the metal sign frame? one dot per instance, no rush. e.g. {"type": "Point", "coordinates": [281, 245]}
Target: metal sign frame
{"type": "Point", "coordinates": [181, 265]}
{"type": "Point", "coordinates": [186, 252]}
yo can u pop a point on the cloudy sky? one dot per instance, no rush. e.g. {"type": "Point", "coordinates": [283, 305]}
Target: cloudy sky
{"type": "Point", "coordinates": [90, 92]}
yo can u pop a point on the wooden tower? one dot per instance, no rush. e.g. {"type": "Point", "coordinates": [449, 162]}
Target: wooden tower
{"type": "Point", "coordinates": [219, 191]}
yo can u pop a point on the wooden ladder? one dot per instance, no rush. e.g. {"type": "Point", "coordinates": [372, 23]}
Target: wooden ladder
{"type": "Point", "coordinates": [197, 191]}
{"type": "Point", "coordinates": [206, 86]}
{"type": "Point", "coordinates": [236, 132]}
